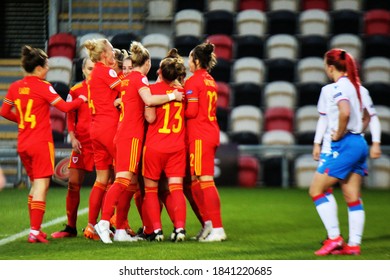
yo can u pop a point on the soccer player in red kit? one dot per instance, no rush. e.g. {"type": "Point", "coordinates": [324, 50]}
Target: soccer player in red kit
{"type": "Point", "coordinates": [104, 88]}
{"type": "Point", "coordinates": [128, 141]}
{"type": "Point", "coordinates": [165, 150]}
{"type": "Point", "coordinates": [203, 138]}
{"type": "Point", "coordinates": [28, 103]}
{"type": "Point", "coordinates": [81, 158]}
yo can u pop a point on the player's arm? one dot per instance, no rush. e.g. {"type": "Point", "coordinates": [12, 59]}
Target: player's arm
{"type": "Point", "coordinates": [150, 114]}
{"type": "Point", "coordinates": [344, 113]}
{"type": "Point", "coordinates": [63, 106]}
{"type": "Point", "coordinates": [192, 106]}
{"type": "Point", "coordinates": [6, 110]}
{"type": "Point", "coordinates": [322, 124]}
{"type": "Point", "coordinates": [158, 99]}
{"type": "Point", "coordinates": [375, 129]}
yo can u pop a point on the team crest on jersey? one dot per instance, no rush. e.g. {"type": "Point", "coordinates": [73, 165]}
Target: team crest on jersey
{"type": "Point", "coordinates": [145, 81]}
{"type": "Point", "coordinates": [52, 90]}
{"type": "Point", "coordinates": [112, 73]}
{"type": "Point", "coordinates": [337, 94]}
{"type": "Point", "coordinates": [75, 159]}
{"type": "Point", "coordinates": [335, 154]}
{"type": "Point", "coordinates": [188, 92]}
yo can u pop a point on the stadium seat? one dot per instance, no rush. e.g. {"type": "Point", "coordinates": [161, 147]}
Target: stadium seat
{"type": "Point", "coordinates": [248, 170]}
{"type": "Point", "coordinates": [376, 45]}
{"type": "Point", "coordinates": [280, 93]}
{"type": "Point", "coordinates": [160, 9]}
{"type": "Point", "coordinates": [227, 5]}
{"type": "Point", "coordinates": [279, 118]}
{"type": "Point", "coordinates": [311, 69]}
{"type": "Point", "coordinates": [222, 71]}
{"type": "Point", "coordinates": [246, 124]}
{"type": "Point", "coordinates": [224, 93]}
{"type": "Point", "coordinates": [377, 4]}
{"type": "Point", "coordinates": [248, 69]}
{"type": "Point", "coordinates": [188, 72]}
{"type": "Point", "coordinates": [346, 21]}
{"type": "Point", "coordinates": [313, 45]}
{"type": "Point", "coordinates": [190, 4]}
{"type": "Point", "coordinates": [315, 4]}
{"type": "Point", "coordinates": [314, 22]}
{"type": "Point", "coordinates": [155, 65]}
{"type": "Point", "coordinates": [123, 41]}
{"type": "Point", "coordinates": [219, 22]}
{"type": "Point", "coordinates": [251, 22]}
{"type": "Point", "coordinates": [379, 177]}
{"type": "Point", "coordinates": [379, 92]}
{"type": "Point", "coordinates": [223, 137]}
{"type": "Point", "coordinates": [282, 22]}
{"type": "Point", "coordinates": [188, 22]}
{"type": "Point", "coordinates": [158, 44]}
{"type": "Point", "coordinates": [349, 42]}
{"type": "Point", "coordinates": [185, 44]}
{"type": "Point", "coordinates": [223, 118]}
{"type": "Point", "coordinates": [377, 22]}
{"type": "Point", "coordinates": [81, 50]}
{"type": "Point", "coordinates": [305, 167]}
{"type": "Point", "coordinates": [60, 69]}
{"type": "Point", "coordinates": [272, 162]}
{"type": "Point", "coordinates": [306, 119]}
{"type": "Point", "coordinates": [355, 5]}
{"type": "Point", "coordinates": [247, 94]}
{"type": "Point", "coordinates": [308, 93]}
{"type": "Point", "coordinates": [290, 5]}
{"type": "Point", "coordinates": [61, 88]}
{"type": "Point", "coordinates": [260, 5]}
{"type": "Point", "coordinates": [62, 44]}
{"type": "Point", "coordinates": [282, 46]}
{"type": "Point", "coordinates": [223, 46]}
{"type": "Point", "coordinates": [249, 46]}
{"type": "Point", "coordinates": [280, 69]}
{"type": "Point", "coordinates": [376, 69]}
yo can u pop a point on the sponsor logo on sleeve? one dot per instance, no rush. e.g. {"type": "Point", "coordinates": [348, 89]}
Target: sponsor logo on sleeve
{"type": "Point", "coordinates": [112, 73]}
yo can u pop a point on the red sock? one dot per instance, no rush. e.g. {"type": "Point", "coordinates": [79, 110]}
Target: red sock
{"type": "Point", "coordinates": [95, 201]}
{"type": "Point", "coordinates": [179, 205]}
{"type": "Point", "coordinates": [112, 198]}
{"type": "Point", "coordinates": [37, 211]}
{"type": "Point", "coordinates": [151, 209]}
{"type": "Point", "coordinates": [123, 206]}
{"type": "Point", "coordinates": [166, 199]}
{"type": "Point", "coordinates": [29, 199]}
{"type": "Point", "coordinates": [210, 194]}
{"type": "Point", "coordinates": [138, 199]}
{"type": "Point", "coordinates": [198, 196]}
{"type": "Point", "coordinates": [72, 203]}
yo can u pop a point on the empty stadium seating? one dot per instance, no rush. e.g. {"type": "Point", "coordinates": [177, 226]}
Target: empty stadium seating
{"type": "Point", "coordinates": [376, 45]}
{"type": "Point", "coordinates": [282, 46]}
{"type": "Point", "coordinates": [62, 44]}
{"type": "Point", "coordinates": [314, 22]}
{"type": "Point", "coordinates": [190, 4]}
{"type": "Point", "coordinates": [58, 124]}
{"type": "Point", "coordinates": [279, 118]}
{"type": "Point", "coordinates": [260, 5]}
{"type": "Point", "coordinates": [60, 69]}
{"type": "Point", "coordinates": [246, 123]}
{"type": "Point", "coordinates": [224, 93]}
{"type": "Point", "coordinates": [188, 22]}
{"type": "Point", "coordinates": [249, 46]}
{"type": "Point", "coordinates": [122, 41]}
{"type": "Point", "coordinates": [157, 44]}
{"type": "Point", "coordinates": [308, 93]}
{"type": "Point", "coordinates": [315, 4]}
{"type": "Point", "coordinates": [280, 69]}
{"type": "Point", "coordinates": [223, 118]}
{"type": "Point", "coordinates": [311, 69]}
{"type": "Point", "coordinates": [355, 5]}
{"type": "Point", "coordinates": [251, 22]}
{"type": "Point", "coordinates": [228, 5]}
{"type": "Point", "coordinates": [346, 21]}
{"type": "Point", "coordinates": [160, 9]}
{"type": "Point", "coordinates": [282, 22]}
{"type": "Point", "coordinates": [377, 22]}
{"type": "Point", "coordinates": [219, 22]}
{"type": "Point", "coordinates": [349, 42]}
{"type": "Point", "coordinates": [379, 177]}
{"type": "Point", "coordinates": [223, 45]}
{"type": "Point", "coordinates": [306, 119]}
{"type": "Point", "coordinates": [280, 93]}
{"type": "Point", "coordinates": [185, 43]}
{"type": "Point", "coordinates": [247, 93]}
{"type": "Point", "coordinates": [290, 5]}
{"type": "Point", "coordinates": [305, 167]}
{"type": "Point", "coordinates": [248, 69]}
{"type": "Point", "coordinates": [248, 170]}
{"type": "Point", "coordinates": [313, 45]}
{"type": "Point", "coordinates": [379, 92]}
{"type": "Point", "coordinates": [376, 69]}
{"type": "Point", "coordinates": [222, 71]}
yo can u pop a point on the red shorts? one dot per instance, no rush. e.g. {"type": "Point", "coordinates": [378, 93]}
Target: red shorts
{"type": "Point", "coordinates": [202, 156]}
{"type": "Point", "coordinates": [84, 160]}
{"type": "Point", "coordinates": [103, 147]}
{"type": "Point", "coordinates": [154, 162]}
{"type": "Point", "coordinates": [38, 160]}
{"type": "Point", "coordinates": [129, 154]}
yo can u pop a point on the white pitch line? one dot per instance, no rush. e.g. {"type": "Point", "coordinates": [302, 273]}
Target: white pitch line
{"type": "Point", "coordinates": [49, 223]}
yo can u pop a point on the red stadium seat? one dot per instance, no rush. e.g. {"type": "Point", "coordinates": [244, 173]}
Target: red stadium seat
{"type": "Point", "coordinates": [223, 100]}
{"type": "Point", "coordinates": [223, 45]}
{"type": "Point", "coordinates": [62, 44]}
{"type": "Point", "coordinates": [377, 22]}
{"type": "Point", "coordinates": [252, 5]}
{"type": "Point", "coordinates": [279, 118]}
{"type": "Point", "coordinates": [58, 124]}
{"type": "Point", "coordinates": [248, 170]}
{"type": "Point", "coordinates": [315, 4]}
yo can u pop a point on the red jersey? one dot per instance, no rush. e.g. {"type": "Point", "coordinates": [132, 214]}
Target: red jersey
{"type": "Point", "coordinates": [201, 96]}
{"type": "Point", "coordinates": [80, 119]}
{"type": "Point", "coordinates": [166, 133]}
{"type": "Point", "coordinates": [104, 88]}
{"type": "Point", "coordinates": [131, 120]}
{"type": "Point", "coordinates": [32, 98]}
